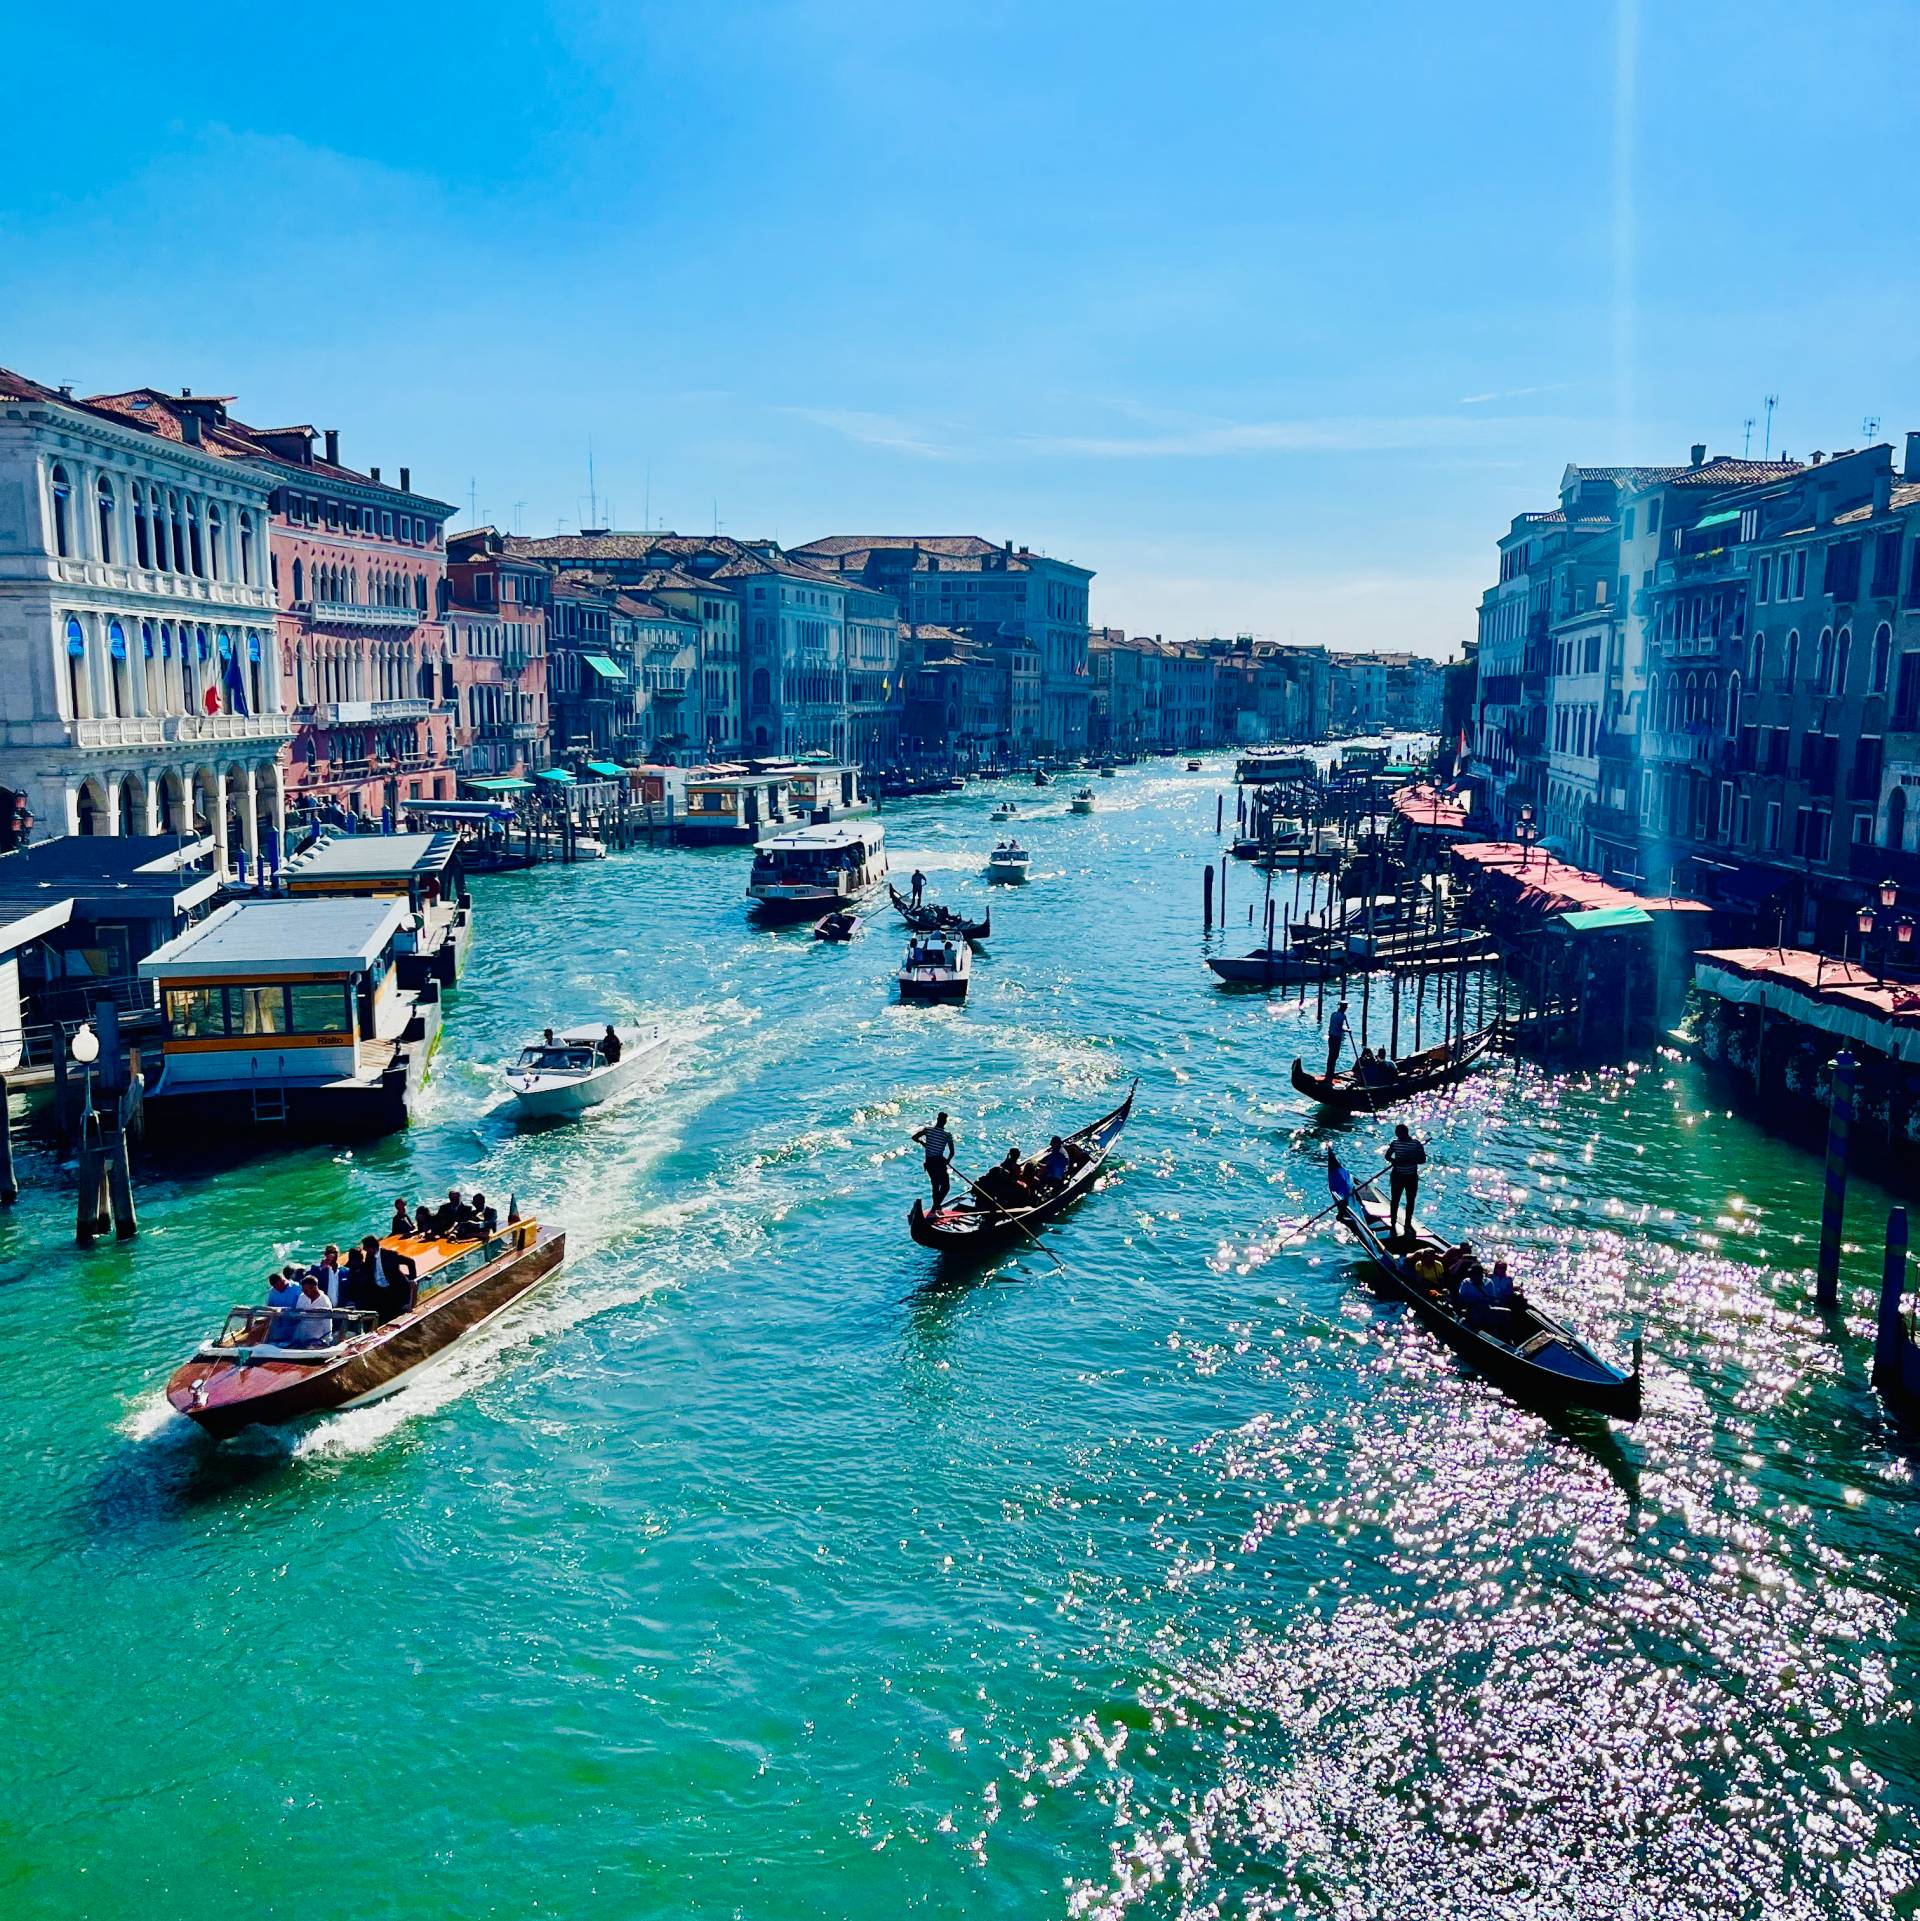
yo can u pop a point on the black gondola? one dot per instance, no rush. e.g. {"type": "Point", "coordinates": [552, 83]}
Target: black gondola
{"type": "Point", "coordinates": [1412, 1074]}
{"type": "Point", "coordinates": [931, 918]}
{"type": "Point", "coordinates": [973, 1226]}
{"type": "Point", "coordinates": [1534, 1357]}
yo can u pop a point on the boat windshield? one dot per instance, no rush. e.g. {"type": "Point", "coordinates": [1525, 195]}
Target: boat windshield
{"type": "Point", "coordinates": [541, 1059]}
{"type": "Point", "coordinates": [311, 1327]}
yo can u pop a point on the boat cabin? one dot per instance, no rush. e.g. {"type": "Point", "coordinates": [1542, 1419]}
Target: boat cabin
{"type": "Point", "coordinates": [733, 802]}
{"type": "Point", "coordinates": [1269, 765]}
{"type": "Point", "coordinates": [818, 867]}
{"type": "Point", "coordinates": [823, 792]}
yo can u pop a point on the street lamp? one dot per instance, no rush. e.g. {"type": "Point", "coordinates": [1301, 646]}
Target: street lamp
{"type": "Point", "coordinates": [1526, 833]}
{"type": "Point", "coordinates": [85, 1048]}
{"type": "Point", "coordinates": [1889, 893]}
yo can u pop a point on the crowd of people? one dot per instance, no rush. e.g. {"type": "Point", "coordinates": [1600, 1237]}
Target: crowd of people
{"type": "Point", "coordinates": [374, 1283]}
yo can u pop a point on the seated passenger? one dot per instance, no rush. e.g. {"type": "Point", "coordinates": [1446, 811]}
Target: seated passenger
{"type": "Point", "coordinates": [1431, 1273]}
{"type": "Point", "coordinates": [314, 1314]}
{"type": "Point", "coordinates": [1499, 1285]}
{"type": "Point", "coordinates": [1458, 1263]}
{"type": "Point", "coordinates": [1055, 1165]}
{"type": "Point", "coordinates": [1473, 1301]}
{"type": "Point", "coordinates": [1003, 1183]}
{"type": "Point", "coordinates": [283, 1293]}
{"type": "Point", "coordinates": [610, 1045]}
{"type": "Point", "coordinates": [486, 1219]}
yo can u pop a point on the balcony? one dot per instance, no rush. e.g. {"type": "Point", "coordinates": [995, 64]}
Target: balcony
{"type": "Point", "coordinates": [353, 613]}
{"type": "Point", "coordinates": [415, 709]}
{"type": "Point", "coordinates": [166, 730]}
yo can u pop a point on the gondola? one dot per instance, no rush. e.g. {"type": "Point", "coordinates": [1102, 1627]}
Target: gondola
{"type": "Point", "coordinates": [931, 918]}
{"type": "Point", "coordinates": [1273, 967]}
{"type": "Point", "coordinates": [1525, 1350]}
{"type": "Point", "coordinates": [974, 1226]}
{"type": "Point", "coordinates": [1413, 1074]}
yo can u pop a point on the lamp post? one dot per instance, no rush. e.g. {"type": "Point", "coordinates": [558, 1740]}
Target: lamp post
{"type": "Point", "coordinates": [85, 1048]}
{"type": "Point", "coordinates": [1526, 833]}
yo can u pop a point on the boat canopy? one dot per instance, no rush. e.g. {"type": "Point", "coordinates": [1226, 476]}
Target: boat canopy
{"type": "Point", "coordinates": [502, 784]}
{"type": "Point", "coordinates": [557, 775]}
{"type": "Point", "coordinates": [606, 770]}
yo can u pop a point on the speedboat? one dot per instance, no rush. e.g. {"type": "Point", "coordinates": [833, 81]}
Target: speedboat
{"type": "Point", "coordinates": [1106, 770]}
{"type": "Point", "coordinates": [1005, 811]}
{"type": "Point", "coordinates": [1083, 801]}
{"type": "Point", "coordinates": [1193, 766]}
{"type": "Point", "coordinates": [271, 1365]}
{"type": "Point", "coordinates": [937, 967]}
{"type": "Point", "coordinates": [841, 925]}
{"type": "Point", "coordinates": [559, 1078]}
{"type": "Point", "coordinates": [1008, 861]}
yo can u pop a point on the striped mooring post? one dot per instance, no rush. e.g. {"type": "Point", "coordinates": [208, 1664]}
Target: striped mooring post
{"type": "Point", "coordinates": [1833, 1202]}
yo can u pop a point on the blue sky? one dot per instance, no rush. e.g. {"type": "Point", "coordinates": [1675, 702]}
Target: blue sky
{"type": "Point", "coordinates": [1271, 315]}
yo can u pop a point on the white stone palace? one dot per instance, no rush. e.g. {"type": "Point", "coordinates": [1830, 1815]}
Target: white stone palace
{"type": "Point", "coordinates": [139, 683]}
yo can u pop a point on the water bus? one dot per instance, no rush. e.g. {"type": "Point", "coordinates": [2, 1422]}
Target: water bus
{"type": "Point", "coordinates": [1268, 765]}
{"type": "Point", "coordinates": [812, 870]}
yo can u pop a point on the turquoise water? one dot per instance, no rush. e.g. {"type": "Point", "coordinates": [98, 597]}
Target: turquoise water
{"type": "Point", "coordinates": [745, 1569]}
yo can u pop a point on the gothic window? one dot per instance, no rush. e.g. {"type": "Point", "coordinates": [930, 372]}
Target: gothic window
{"type": "Point", "coordinates": [213, 539]}
{"type": "Point", "coordinates": [1882, 656]}
{"type": "Point", "coordinates": [246, 547]}
{"type": "Point", "coordinates": [103, 499]}
{"type": "Point", "coordinates": [62, 512]}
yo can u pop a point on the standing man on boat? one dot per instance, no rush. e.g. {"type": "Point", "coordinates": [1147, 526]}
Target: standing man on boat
{"type": "Point", "coordinates": [937, 1144]}
{"type": "Point", "coordinates": [1336, 1039]}
{"type": "Point", "coordinates": [919, 886]}
{"type": "Point", "coordinates": [1405, 1158]}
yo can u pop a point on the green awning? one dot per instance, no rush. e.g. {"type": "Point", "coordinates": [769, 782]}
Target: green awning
{"type": "Point", "coordinates": [606, 770]}
{"type": "Point", "coordinates": [558, 775]}
{"type": "Point", "coordinates": [1605, 920]}
{"type": "Point", "coordinates": [502, 784]}
{"type": "Point", "coordinates": [1718, 520]}
{"type": "Point", "coordinates": [605, 668]}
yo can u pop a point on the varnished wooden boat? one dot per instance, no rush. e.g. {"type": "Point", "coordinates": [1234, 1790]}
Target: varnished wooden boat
{"type": "Point", "coordinates": [1524, 1349]}
{"type": "Point", "coordinates": [244, 1377]}
{"type": "Point", "coordinates": [1412, 1074]}
{"type": "Point", "coordinates": [974, 1226]}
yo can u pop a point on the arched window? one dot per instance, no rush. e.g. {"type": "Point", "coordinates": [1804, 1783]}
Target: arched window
{"type": "Point", "coordinates": [142, 544]}
{"type": "Point", "coordinates": [299, 576]}
{"type": "Point", "coordinates": [1881, 659]}
{"type": "Point", "coordinates": [157, 522]}
{"type": "Point", "coordinates": [119, 674]}
{"type": "Point", "coordinates": [196, 553]}
{"type": "Point", "coordinates": [1842, 660]}
{"type": "Point", "coordinates": [1692, 712]}
{"type": "Point", "coordinates": [103, 497]}
{"type": "Point", "coordinates": [213, 539]}
{"type": "Point", "coordinates": [62, 512]}
{"type": "Point", "coordinates": [1757, 665]}
{"type": "Point", "coordinates": [1790, 661]}
{"type": "Point", "coordinates": [1733, 704]}
{"type": "Point", "coordinates": [1897, 818]}
{"type": "Point", "coordinates": [1823, 659]}
{"type": "Point", "coordinates": [256, 671]}
{"type": "Point", "coordinates": [179, 525]}
{"type": "Point", "coordinates": [246, 548]}
{"type": "Point", "coordinates": [79, 694]}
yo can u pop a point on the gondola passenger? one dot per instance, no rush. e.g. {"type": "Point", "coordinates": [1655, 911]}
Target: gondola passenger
{"type": "Point", "coordinates": [1056, 1164]}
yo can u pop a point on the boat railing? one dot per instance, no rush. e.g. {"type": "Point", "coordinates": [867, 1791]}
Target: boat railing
{"type": "Point", "coordinates": [312, 1328]}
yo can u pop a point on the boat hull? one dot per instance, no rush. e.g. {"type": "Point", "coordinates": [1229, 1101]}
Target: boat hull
{"type": "Point", "coordinates": [561, 1100]}
{"type": "Point", "coordinates": [1343, 1096]}
{"type": "Point", "coordinates": [227, 1396]}
{"type": "Point", "coordinates": [941, 988]}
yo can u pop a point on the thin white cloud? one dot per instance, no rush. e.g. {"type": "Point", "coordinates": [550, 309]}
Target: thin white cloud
{"type": "Point", "coordinates": [876, 430]}
{"type": "Point", "coordinates": [1514, 393]}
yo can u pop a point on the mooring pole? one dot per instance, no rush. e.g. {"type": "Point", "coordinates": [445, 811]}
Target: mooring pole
{"type": "Point", "coordinates": [1889, 1337]}
{"type": "Point", "coordinates": [9, 1187]}
{"type": "Point", "coordinates": [1219, 812]}
{"type": "Point", "coordinates": [1833, 1201]}
{"type": "Point", "coordinates": [1223, 889]}
{"type": "Point", "coordinates": [1206, 900]}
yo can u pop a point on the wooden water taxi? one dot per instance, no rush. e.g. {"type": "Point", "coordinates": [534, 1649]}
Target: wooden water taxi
{"type": "Point", "coordinates": [267, 1366]}
{"type": "Point", "coordinates": [1273, 967]}
{"type": "Point", "coordinates": [979, 1225]}
{"type": "Point", "coordinates": [1525, 1350]}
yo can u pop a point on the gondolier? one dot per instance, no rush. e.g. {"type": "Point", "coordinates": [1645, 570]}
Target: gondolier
{"type": "Point", "coordinates": [1336, 1038]}
{"type": "Point", "coordinates": [1405, 1158]}
{"type": "Point", "coordinates": [937, 1144]}
{"type": "Point", "coordinates": [919, 886]}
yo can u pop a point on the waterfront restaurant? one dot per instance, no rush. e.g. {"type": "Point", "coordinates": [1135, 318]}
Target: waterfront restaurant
{"type": "Point", "coordinates": [289, 1012]}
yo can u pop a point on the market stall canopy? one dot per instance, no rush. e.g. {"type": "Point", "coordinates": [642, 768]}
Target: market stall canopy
{"type": "Point", "coordinates": [1837, 997]}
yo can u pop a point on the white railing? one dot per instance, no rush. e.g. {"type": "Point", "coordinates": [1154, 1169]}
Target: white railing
{"type": "Point", "coordinates": [353, 613]}
{"type": "Point", "coordinates": [159, 730]}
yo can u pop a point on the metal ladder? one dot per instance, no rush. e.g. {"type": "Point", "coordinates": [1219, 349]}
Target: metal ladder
{"type": "Point", "coordinates": [269, 1100]}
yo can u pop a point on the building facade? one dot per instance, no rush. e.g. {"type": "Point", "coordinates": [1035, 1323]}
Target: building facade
{"type": "Point", "coordinates": [497, 635]}
{"type": "Point", "coordinates": [140, 688]}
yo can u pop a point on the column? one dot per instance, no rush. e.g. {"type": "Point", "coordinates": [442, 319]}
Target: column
{"type": "Point", "coordinates": [156, 786]}
{"type": "Point", "coordinates": [278, 773]}
{"type": "Point", "coordinates": [219, 812]}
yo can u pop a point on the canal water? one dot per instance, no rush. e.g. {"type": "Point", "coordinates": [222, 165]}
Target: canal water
{"type": "Point", "coordinates": [750, 1570]}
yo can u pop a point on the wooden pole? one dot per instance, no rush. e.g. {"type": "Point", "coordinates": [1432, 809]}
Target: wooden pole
{"type": "Point", "coordinates": [1890, 1337]}
{"type": "Point", "coordinates": [9, 1187]}
{"type": "Point", "coordinates": [1833, 1202]}
{"type": "Point", "coordinates": [1206, 900]}
{"type": "Point", "coordinates": [1393, 1032]}
{"type": "Point", "coordinates": [126, 1223]}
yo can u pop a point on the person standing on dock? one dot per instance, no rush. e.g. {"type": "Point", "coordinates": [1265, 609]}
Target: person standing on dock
{"type": "Point", "coordinates": [1336, 1039]}
{"type": "Point", "coordinates": [1405, 1158]}
{"type": "Point", "coordinates": [937, 1144]}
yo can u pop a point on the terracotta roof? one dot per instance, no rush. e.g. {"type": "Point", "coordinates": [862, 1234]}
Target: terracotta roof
{"type": "Point", "coordinates": [1721, 471]}
{"type": "Point", "coordinates": [1905, 493]}
{"type": "Point", "coordinates": [957, 545]}
{"type": "Point", "coordinates": [1629, 476]}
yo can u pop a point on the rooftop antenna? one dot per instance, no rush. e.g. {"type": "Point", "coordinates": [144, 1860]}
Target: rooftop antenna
{"type": "Point", "coordinates": [473, 494]}
{"type": "Point", "coordinates": [593, 499]}
{"type": "Point", "coordinates": [1870, 429]}
{"type": "Point", "coordinates": [517, 505]}
{"type": "Point", "coordinates": [1766, 452]}
{"type": "Point", "coordinates": [1746, 446]}
{"type": "Point", "coordinates": [646, 525]}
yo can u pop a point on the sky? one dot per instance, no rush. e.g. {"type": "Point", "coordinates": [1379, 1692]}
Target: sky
{"type": "Point", "coordinates": [1271, 315]}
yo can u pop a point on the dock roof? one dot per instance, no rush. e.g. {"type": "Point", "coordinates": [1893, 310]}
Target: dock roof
{"type": "Point", "coordinates": [267, 939]}
{"type": "Point", "coordinates": [1837, 997]}
{"type": "Point", "coordinates": [361, 857]}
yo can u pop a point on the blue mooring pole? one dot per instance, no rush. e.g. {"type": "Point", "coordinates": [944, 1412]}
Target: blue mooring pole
{"type": "Point", "coordinates": [1889, 1337]}
{"type": "Point", "coordinates": [1833, 1203]}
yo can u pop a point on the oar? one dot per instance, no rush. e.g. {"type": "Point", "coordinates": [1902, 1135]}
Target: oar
{"type": "Point", "coordinates": [989, 1201]}
{"type": "Point", "coordinates": [1359, 1187]}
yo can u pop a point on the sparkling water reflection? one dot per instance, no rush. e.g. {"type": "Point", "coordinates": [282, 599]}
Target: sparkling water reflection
{"type": "Point", "coordinates": [761, 1561]}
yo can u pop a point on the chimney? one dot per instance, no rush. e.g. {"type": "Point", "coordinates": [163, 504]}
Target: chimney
{"type": "Point", "coordinates": [190, 429]}
{"type": "Point", "coordinates": [333, 446]}
{"type": "Point", "coordinates": [373, 474]}
{"type": "Point", "coordinates": [1697, 454]}
{"type": "Point", "coordinates": [1818, 456]}
{"type": "Point", "coordinates": [66, 393]}
{"type": "Point", "coordinates": [1912, 469]}
{"type": "Point", "coordinates": [406, 480]}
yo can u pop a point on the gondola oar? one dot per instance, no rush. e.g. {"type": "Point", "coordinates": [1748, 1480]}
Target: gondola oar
{"type": "Point", "coordinates": [1007, 1213]}
{"type": "Point", "coordinates": [1359, 1187]}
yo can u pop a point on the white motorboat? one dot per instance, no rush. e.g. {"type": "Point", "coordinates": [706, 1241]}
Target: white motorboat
{"type": "Point", "coordinates": [937, 967]}
{"type": "Point", "coordinates": [1005, 811]}
{"type": "Point", "coordinates": [566, 1072]}
{"type": "Point", "coordinates": [1008, 861]}
{"type": "Point", "coordinates": [1083, 801]}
